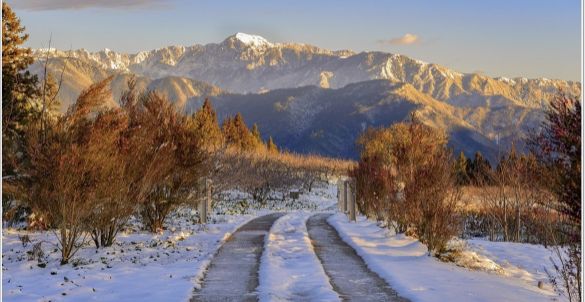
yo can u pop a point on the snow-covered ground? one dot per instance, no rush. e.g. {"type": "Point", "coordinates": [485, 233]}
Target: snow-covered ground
{"type": "Point", "coordinates": [403, 262]}
{"type": "Point", "coordinates": [236, 202]}
{"type": "Point", "coordinates": [290, 270]}
{"type": "Point", "coordinates": [167, 266]}
{"type": "Point", "coordinates": [518, 260]}
{"type": "Point", "coordinates": [160, 267]}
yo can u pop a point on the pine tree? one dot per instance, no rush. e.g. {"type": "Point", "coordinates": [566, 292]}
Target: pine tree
{"type": "Point", "coordinates": [228, 130]}
{"type": "Point", "coordinates": [240, 125]}
{"type": "Point", "coordinates": [461, 169]}
{"type": "Point", "coordinates": [481, 170]}
{"type": "Point", "coordinates": [237, 135]}
{"type": "Point", "coordinates": [257, 138]}
{"type": "Point", "coordinates": [19, 87]}
{"type": "Point", "coordinates": [271, 146]}
{"type": "Point", "coordinates": [256, 132]}
{"type": "Point", "coordinates": [204, 123]}
{"type": "Point", "coordinates": [245, 139]}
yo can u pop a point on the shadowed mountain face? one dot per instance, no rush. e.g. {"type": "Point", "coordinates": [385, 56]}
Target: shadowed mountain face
{"type": "Point", "coordinates": [328, 121]}
{"type": "Point", "coordinates": [315, 100]}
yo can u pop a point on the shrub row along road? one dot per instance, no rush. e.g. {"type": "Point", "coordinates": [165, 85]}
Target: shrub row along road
{"type": "Point", "coordinates": [233, 272]}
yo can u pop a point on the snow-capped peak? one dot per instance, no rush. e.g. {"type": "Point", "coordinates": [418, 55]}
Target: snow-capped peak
{"type": "Point", "coordinates": [252, 40]}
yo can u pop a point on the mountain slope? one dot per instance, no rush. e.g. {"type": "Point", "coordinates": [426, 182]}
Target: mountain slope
{"type": "Point", "coordinates": [79, 74]}
{"type": "Point", "coordinates": [327, 121]}
{"type": "Point", "coordinates": [316, 100]}
{"type": "Point", "coordinates": [245, 63]}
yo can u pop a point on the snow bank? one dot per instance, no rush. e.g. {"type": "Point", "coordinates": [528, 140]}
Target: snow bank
{"type": "Point", "coordinates": [290, 270]}
{"type": "Point", "coordinates": [404, 264]}
{"type": "Point", "coordinates": [522, 261]}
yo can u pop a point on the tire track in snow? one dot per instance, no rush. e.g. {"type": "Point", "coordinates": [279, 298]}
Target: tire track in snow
{"type": "Point", "coordinates": [347, 271]}
{"type": "Point", "coordinates": [233, 272]}
{"type": "Point", "coordinates": [290, 270]}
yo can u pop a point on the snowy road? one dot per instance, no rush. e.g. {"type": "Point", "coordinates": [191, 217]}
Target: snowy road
{"type": "Point", "coordinates": [276, 258]}
{"type": "Point", "coordinates": [347, 271]}
{"type": "Point", "coordinates": [233, 272]}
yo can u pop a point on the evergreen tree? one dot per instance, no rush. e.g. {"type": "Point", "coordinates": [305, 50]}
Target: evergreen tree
{"type": "Point", "coordinates": [480, 170]}
{"type": "Point", "coordinates": [258, 143]}
{"type": "Point", "coordinates": [240, 125]}
{"type": "Point", "coordinates": [461, 169]}
{"type": "Point", "coordinates": [237, 134]}
{"type": "Point", "coordinates": [228, 130]}
{"type": "Point", "coordinates": [271, 146]}
{"type": "Point", "coordinates": [204, 123]}
{"type": "Point", "coordinates": [19, 87]}
{"type": "Point", "coordinates": [256, 132]}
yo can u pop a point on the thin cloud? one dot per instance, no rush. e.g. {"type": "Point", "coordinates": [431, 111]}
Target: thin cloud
{"type": "Point", "coordinates": [42, 5]}
{"type": "Point", "coordinates": [407, 39]}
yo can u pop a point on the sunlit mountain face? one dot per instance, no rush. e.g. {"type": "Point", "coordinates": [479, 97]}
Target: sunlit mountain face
{"type": "Point", "coordinates": [314, 100]}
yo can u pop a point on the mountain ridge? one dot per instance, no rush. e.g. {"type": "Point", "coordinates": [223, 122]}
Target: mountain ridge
{"type": "Point", "coordinates": [339, 67]}
{"type": "Point", "coordinates": [295, 81]}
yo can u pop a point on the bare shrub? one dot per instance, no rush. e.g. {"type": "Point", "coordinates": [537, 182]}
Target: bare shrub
{"type": "Point", "coordinates": [406, 177]}
{"type": "Point", "coordinates": [267, 175]}
{"type": "Point", "coordinates": [164, 158]}
{"type": "Point", "coordinates": [24, 239]}
{"type": "Point", "coordinates": [434, 196]}
{"type": "Point", "coordinates": [558, 147]}
{"type": "Point", "coordinates": [374, 190]}
{"type": "Point", "coordinates": [36, 253]}
{"type": "Point", "coordinates": [63, 175]}
{"type": "Point", "coordinates": [566, 277]}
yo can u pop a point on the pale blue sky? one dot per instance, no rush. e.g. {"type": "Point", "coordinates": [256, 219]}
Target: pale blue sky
{"type": "Point", "coordinates": [531, 38]}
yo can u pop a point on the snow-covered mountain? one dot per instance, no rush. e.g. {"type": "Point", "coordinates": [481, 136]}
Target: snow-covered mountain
{"type": "Point", "coordinates": [245, 63]}
{"type": "Point", "coordinates": [306, 78]}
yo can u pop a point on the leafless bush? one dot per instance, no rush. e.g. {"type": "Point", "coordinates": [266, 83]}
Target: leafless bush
{"type": "Point", "coordinates": [267, 175]}
{"type": "Point", "coordinates": [558, 147]}
{"type": "Point", "coordinates": [433, 197]}
{"type": "Point", "coordinates": [24, 239]}
{"type": "Point", "coordinates": [36, 253]}
{"type": "Point", "coordinates": [165, 160]}
{"type": "Point", "coordinates": [406, 177]}
{"type": "Point", "coordinates": [566, 277]}
{"type": "Point", "coordinates": [517, 202]}
{"type": "Point", "coordinates": [66, 169]}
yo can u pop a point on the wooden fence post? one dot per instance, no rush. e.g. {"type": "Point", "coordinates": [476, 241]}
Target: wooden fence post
{"type": "Point", "coordinates": [351, 198]}
{"type": "Point", "coordinates": [205, 202]}
{"type": "Point", "coordinates": [209, 191]}
{"type": "Point", "coordinates": [340, 195]}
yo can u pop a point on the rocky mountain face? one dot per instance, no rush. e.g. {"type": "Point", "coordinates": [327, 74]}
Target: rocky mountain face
{"type": "Point", "coordinates": [315, 100]}
{"type": "Point", "coordinates": [327, 121]}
